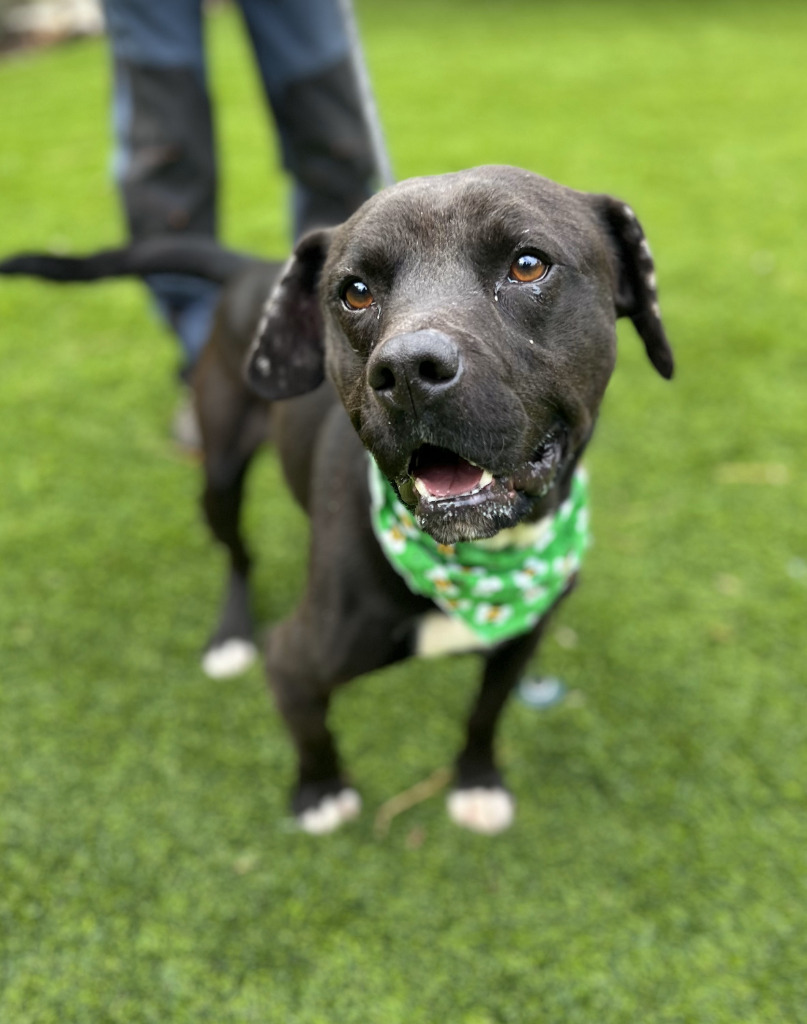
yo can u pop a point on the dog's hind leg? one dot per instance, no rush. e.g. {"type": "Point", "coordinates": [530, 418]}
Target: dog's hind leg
{"type": "Point", "coordinates": [479, 800]}
{"type": "Point", "coordinates": [233, 424]}
{"type": "Point", "coordinates": [231, 648]}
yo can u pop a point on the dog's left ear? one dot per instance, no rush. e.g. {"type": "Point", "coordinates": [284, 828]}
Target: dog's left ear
{"type": "Point", "coordinates": [286, 357]}
{"type": "Point", "coordinates": [635, 292]}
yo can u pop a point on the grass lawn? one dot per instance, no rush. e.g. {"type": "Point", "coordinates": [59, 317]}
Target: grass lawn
{"type": "Point", "coordinates": [657, 871]}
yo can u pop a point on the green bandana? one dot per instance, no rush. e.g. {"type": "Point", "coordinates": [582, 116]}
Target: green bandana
{"type": "Point", "coordinates": [498, 587]}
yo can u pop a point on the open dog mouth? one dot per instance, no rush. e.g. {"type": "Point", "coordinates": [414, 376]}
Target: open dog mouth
{"type": "Point", "coordinates": [438, 473]}
{"type": "Point", "coordinates": [455, 499]}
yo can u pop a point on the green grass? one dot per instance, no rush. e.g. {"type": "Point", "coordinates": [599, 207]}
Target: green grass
{"type": "Point", "coordinates": [658, 868]}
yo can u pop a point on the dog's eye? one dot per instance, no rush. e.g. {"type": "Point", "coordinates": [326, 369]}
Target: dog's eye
{"type": "Point", "coordinates": [356, 295]}
{"type": "Point", "coordinates": [527, 268]}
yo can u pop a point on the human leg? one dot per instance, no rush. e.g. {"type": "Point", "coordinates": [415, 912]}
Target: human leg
{"type": "Point", "coordinates": [303, 54]}
{"type": "Point", "coordinates": [164, 161]}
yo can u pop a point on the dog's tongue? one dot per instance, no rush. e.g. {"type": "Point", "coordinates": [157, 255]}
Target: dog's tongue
{"type": "Point", "coordinates": [443, 473]}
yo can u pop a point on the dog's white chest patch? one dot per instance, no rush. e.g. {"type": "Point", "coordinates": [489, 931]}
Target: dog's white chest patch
{"type": "Point", "coordinates": [438, 634]}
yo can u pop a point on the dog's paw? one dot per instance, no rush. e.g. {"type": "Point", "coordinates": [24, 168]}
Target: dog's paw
{"type": "Point", "coordinates": [230, 658]}
{"type": "Point", "coordinates": [332, 811]}
{"type": "Point", "coordinates": [482, 809]}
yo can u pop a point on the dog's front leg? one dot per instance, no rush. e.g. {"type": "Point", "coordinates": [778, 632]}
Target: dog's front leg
{"type": "Point", "coordinates": [321, 799]}
{"type": "Point", "coordinates": [479, 800]}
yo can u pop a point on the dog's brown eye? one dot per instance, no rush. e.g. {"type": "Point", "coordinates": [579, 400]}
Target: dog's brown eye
{"type": "Point", "coordinates": [527, 268]}
{"type": "Point", "coordinates": [356, 295]}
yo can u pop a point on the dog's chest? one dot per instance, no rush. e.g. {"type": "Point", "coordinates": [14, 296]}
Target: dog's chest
{"type": "Point", "coordinates": [490, 606]}
{"type": "Point", "coordinates": [440, 633]}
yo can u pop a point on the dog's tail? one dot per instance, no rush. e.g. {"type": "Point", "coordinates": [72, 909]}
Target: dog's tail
{"type": "Point", "coordinates": [198, 255]}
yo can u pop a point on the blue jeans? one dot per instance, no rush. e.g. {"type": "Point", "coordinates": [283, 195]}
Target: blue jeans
{"type": "Point", "coordinates": [164, 161]}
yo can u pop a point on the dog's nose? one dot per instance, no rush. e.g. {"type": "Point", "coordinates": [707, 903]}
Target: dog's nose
{"type": "Point", "coordinates": [410, 369]}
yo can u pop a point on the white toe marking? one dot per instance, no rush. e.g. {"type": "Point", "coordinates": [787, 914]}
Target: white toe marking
{"type": "Point", "coordinates": [331, 812]}
{"type": "Point", "coordinates": [482, 809]}
{"type": "Point", "coordinates": [349, 803]}
{"type": "Point", "coordinates": [231, 658]}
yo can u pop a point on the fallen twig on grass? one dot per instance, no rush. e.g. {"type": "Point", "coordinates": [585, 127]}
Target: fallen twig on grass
{"type": "Point", "coordinates": [409, 798]}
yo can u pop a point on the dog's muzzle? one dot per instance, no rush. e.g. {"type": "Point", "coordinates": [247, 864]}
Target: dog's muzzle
{"type": "Point", "coordinates": [415, 379]}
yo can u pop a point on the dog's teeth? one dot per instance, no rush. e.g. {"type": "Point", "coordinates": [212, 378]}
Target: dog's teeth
{"type": "Point", "coordinates": [484, 480]}
{"type": "Point", "coordinates": [421, 488]}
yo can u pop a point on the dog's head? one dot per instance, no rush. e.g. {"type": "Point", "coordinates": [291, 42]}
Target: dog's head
{"type": "Point", "coordinates": [468, 324]}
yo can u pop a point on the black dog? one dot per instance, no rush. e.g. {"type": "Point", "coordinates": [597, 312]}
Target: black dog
{"type": "Point", "coordinates": [466, 323]}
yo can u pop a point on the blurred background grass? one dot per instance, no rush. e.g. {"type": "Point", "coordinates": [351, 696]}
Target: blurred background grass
{"type": "Point", "coordinates": [658, 867]}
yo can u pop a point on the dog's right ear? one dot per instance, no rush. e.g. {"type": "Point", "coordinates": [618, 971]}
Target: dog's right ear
{"type": "Point", "coordinates": [287, 357]}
